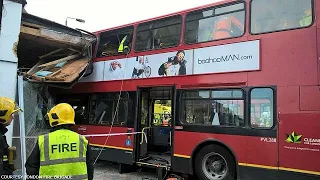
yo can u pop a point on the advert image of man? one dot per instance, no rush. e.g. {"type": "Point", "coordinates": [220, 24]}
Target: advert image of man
{"type": "Point", "coordinates": [179, 60]}
{"type": "Point", "coordinates": [115, 71]}
{"type": "Point", "coordinates": [138, 68]}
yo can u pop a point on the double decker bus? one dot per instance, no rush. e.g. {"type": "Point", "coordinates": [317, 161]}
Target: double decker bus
{"type": "Point", "coordinates": [242, 82]}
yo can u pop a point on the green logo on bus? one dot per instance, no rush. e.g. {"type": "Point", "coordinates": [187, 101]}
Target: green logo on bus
{"type": "Point", "coordinates": [293, 138]}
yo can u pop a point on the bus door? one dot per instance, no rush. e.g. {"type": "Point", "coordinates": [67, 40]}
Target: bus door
{"type": "Point", "coordinates": [155, 120]}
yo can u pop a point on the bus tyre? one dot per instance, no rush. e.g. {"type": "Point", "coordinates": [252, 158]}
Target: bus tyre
{"type": "Point", "coordinates": [214, 163]}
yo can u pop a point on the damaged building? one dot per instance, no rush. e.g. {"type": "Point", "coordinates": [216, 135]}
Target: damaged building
{"type": "Point", "coordinates": [51, 57]}
{"type": "Point", "coordinates": [53, 54]}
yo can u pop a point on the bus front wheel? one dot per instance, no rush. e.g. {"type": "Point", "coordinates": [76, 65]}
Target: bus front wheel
{"type": "Point", "coordinates": [215, 163]}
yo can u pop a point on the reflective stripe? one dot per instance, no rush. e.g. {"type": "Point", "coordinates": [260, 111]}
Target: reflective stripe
{"type": "Point", "coordinates": [47, 161]}
{"type": "Point", "coordinates": [46, 147]}
{"type": "Point", "coordinates": [81, 146]}
{"type": "Point", "coordinates": [62, 161]}
{"type": "Point", "coordinates": [5, 158]}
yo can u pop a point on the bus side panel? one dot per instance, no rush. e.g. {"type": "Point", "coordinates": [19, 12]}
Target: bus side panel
{"type": "Point", "coordinates": [318, 45]}
{"type": "Point", "coordinates": [318, 53]}
{"type": "Point", "coordinates": [116, 148]}
{"type": "Point", "coordinates": [299, 146]}
{"type": "Point", "coordinates": [284, 57]}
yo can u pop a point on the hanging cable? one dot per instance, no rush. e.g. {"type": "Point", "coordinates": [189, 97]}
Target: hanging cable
{"type": "Point", "coordinates": [116, 112]}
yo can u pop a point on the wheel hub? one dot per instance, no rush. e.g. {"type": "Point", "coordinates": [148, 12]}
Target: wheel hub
{"type": "Point", "coordinates": [216, 166]}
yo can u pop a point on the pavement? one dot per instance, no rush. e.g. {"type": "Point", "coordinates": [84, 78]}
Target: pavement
{"type": "Point", "coordinates": [109, 171]}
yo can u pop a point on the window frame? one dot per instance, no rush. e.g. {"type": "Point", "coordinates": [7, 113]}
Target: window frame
{"type": "Point", "coordinates": [246, 91]}
{"type": "Point", "coordinates": [290, 29]}
{"type": "Point", "coordinates": [140, 24]}
{"type": "Point", "coordinates": [213, 8]}
{"type": "Point", "coordinates": [113, 30]}
{"type": "Point", "coordinates": [273, 109]}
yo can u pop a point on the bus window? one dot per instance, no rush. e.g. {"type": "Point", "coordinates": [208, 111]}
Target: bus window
{"type": "Point", "coordinates": [262, 117]}
{"type": "Point", "coordinates": [197, 112]}
{"type": "Point", "coordinates": [158, 34]}
{"type": "Point", "coordinates": [215, 108]}
{"type": "Point", "coordinates": [79, 103]}
{"type": "Point", "coordinates": [215, 23]}
{"type": "Point", "coordinates": [115, 42]}
{"type": "Point", "coordinates": [275, 15]}
{"type": "Point", "coordinates": [227, 113]}
{"type": "Point", "coordinates": [106, 109]}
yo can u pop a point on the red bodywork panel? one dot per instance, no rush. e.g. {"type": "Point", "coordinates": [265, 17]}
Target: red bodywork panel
{"type": "Point", "coordinates": [299, 155]}
{"type": "Point", "coordinates": [309, 98]}
{"type": "Point", "coordinates": [246, 148]}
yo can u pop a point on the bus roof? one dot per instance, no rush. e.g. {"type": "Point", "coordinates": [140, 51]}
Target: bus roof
{"type": "Point", "coordinates": [167, 15]}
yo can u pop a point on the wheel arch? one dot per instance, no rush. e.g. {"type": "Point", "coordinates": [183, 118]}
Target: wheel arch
{"type": "Point", "coordinates": [213, 142]}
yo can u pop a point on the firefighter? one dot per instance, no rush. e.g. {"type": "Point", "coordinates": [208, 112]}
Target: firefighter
{"type": "Point", "coordinates": [61, 152]}
{"type": "Point", "coordinates": [124, 44]}
{"type": "Point", "coordinates": [223, 27]}
{"type": "Point", "coordinates": [7, 110]}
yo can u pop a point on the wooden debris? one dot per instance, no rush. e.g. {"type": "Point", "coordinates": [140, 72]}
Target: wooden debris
{"type": "Point", "coordinates": [55, 78]}
{"type": "Point", "coordinates": [51, 53]}
{"type": "Point", "coordinates": [52, 63]}
{"type": "Point", "coordinates": [55, 73]}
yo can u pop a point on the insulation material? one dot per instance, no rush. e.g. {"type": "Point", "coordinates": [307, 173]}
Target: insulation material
{"type": "Point", "coordinates": [59, 36]}
{"type": "Point", "coordinates": [37, 102]}
{"type": "Point", "coordinates": [68, 73]}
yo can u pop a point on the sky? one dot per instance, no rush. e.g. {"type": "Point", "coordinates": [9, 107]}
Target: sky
{"type": "Point", "coordinates": [103, 14]}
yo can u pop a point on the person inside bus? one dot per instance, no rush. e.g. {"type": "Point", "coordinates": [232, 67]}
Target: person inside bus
{"type": "Point", "coordinates": [166, 119]}
{"type": "Point", "coordinates": [125, 44]}
{"type": "Point", "coordinates": [224, 26]}
{"type": "Point", "coordinates": [178, 59]}
{"type": "Point", "coordinates": [153, 40]}
{"type": "Point", "coordinates": [138, 67]}
{"type": "Point", "coordinates": [306, 18]}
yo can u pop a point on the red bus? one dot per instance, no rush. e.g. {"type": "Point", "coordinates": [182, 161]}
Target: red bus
{"type": "Point", "coordinates": [242, 80]}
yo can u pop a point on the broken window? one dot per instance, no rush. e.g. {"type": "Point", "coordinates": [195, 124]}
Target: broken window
{"type": "Point", "coordinates": [158, 34]}
{"type": "Point", "coordinates": [79, 103]}
{"type": "Point", "coordinates": [115, 42]}
{"type": "Point", "coordinates": [107, 109]}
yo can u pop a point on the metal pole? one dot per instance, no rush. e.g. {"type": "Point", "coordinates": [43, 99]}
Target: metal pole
{"type": "Point", "coordinates": [22, 126]}
{"type": "Point", "coordinates": [66, 21]}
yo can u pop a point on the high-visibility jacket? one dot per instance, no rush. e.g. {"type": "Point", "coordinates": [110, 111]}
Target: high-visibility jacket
{"type": "Point", "coordinates": [121, 45]}
{"type": "Point", "coordinates": [306, 20]}
{"type": "Point", "coordinates": [223, 27]}
{"type": "Point", "coordinates": [63, 153]}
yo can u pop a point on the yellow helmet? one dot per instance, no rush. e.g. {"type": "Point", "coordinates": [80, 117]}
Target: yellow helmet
{"type": "Point", "coordinates": [7, 108]}
{"type": "Point", "coordinates": [60, 114]}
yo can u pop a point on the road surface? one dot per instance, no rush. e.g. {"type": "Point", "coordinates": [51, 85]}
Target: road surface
{"type": "Point", "coordinates": [108, 171]}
